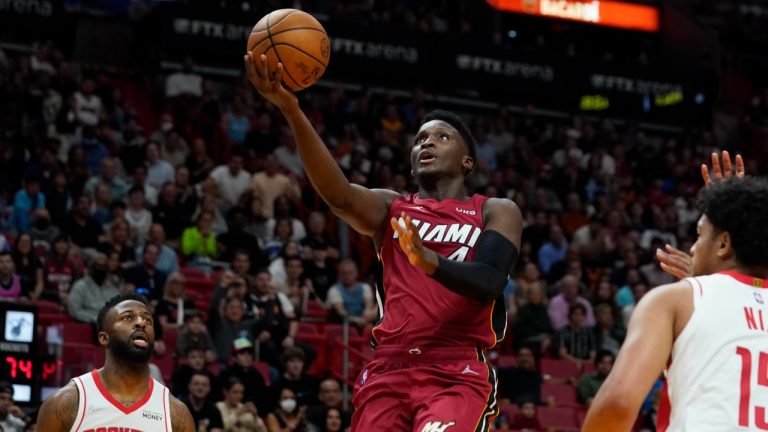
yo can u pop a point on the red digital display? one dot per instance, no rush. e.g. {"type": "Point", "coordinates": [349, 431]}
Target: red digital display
{"type": "Point", "coordinates": [18, 368]}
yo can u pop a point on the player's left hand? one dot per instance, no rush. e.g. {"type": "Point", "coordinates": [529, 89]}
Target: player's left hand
{"type": "Point", "coordinates": [675, 262]}
{"type": "Point", "coordinates": [410, 243]}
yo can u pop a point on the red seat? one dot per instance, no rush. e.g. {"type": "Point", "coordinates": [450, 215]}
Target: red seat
{"type": "Point", "coordinates": [562, 394]}
{"type": "Point", "coordinates": [560, 418]}
{"type": "Point", "coordinates": [319, 342]}
{"type": "Point", "coordinates": [75, 332]}
{"type": "Point", "coordinates": [45, 306]}
{"type": "Point", "coordinates": [46, 319]}
{"type": "Point", "coordinates": [309, 328]}
{"type": "Point", "coordinates": [264, 369]}
{"type": "Point", "coordinates": [315, 312]}
{"type": "Point", "coordinates": [559, 368]}
{"type": "Point", "coordinates": [79, 358]}
{"type": "Point", "coordinates": [171, 338]}
{"type": "Point", "coordinates": [192, 272]}
{"type": "Point", "coordinates": [509, 409]}
{"type": "Point", "coordinates": [166, 363]}
{"type": "Point", "coordinates": [588, 367]}
{"type": "Point", "coordinates": [505, 361]}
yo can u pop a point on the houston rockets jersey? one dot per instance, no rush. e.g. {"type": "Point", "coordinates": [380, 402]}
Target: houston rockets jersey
{"type": "Point", "coordinates": [99, 411]}
{"type": "Point", "coordinates": [416, 310]}
{"type": "Point", "coordinates": [718, 376]}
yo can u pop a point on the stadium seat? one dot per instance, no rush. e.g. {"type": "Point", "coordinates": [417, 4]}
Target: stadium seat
{"type": "Point", "coordinates": [193, 273]}
{"type": "Point", "coordinates": [166, 363]}
{"type": "Point", "coordinates": [562, 394]}
{"type": "Point", "coordinates": [315, 312]}
{"type": "Point", "coordinates": [509, 409]}
{"type": "Point", "coordinates": [560, 418]}
{"type": "Point", "coordinates": [559, 368]}
{"type": "Point", "coordinates": [309, 328]}
{"type": "Point", "coordinates": [75, 332]}
{"type": "Point", "coordinates": [171, 338]}
{"type": "Point", "coordinates": [505, 361]}
{"type": "Point", "coordinates": [263, 368]}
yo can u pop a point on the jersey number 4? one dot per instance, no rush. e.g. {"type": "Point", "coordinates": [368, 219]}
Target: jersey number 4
{"type": "Point", "coordinates": [761, 419]}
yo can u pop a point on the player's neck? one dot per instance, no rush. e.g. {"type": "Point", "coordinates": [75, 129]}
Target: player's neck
{"type": "Point", "coordinates": [444, 188]}
{"type": "Point", "coordinates": [125, 378]}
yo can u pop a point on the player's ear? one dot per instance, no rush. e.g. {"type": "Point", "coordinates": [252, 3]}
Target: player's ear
{"type": "Point", "coordinates": [103, 338]}
{"type": "Point", "coordinates": [468, 163]}
{"type": "Point", "coordinates": [725, 245]}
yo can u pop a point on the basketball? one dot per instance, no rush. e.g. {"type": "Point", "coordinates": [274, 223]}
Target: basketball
{"type": "Point", "coordinates": [297, 40]}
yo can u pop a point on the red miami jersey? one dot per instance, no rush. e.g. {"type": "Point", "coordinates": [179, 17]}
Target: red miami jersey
{"type": "Point", "coordinates": [416, 310]}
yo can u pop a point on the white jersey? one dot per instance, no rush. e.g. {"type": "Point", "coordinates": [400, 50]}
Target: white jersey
{"type": "Point", "coordinates": [99, 411]}
{"type": "Point", "coordinates": [718, 377]}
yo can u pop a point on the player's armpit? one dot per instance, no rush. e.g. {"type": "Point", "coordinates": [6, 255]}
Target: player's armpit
{"type": "Point", "coordinates": [641, 360]}
{"type": "Point", "coordinates": [181, 418]}
{"type": "Point", "coordinates": [58, 413]}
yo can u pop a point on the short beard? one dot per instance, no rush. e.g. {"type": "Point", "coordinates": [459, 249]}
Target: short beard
{"type": "Point", "coordinates": [127, 352]}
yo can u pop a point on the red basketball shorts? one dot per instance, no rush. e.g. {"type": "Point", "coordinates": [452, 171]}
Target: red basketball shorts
{"type": "Point", "coordinates": [425, 390]}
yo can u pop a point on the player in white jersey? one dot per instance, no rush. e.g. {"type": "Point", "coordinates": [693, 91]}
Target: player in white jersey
{"type": "Point", "coordinates": [710, 332]}
{"type": "Point", "coordinates": [121, 396]}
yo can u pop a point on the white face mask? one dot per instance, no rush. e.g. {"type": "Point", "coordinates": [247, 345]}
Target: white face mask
{"type": "Point", "coordinates": [288, 405]}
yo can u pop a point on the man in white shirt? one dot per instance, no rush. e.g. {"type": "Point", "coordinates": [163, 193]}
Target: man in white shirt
{"type": "Point", "coordinates": [87, 105]}
{"type": "Point", "coordinates": [270, 184]}
{"type": "Point", "coordinates": [184, 82]}
{"type": "Point", "coordinates": [231, 179]}
{"type": "Point", "coordinates": [8, 421]}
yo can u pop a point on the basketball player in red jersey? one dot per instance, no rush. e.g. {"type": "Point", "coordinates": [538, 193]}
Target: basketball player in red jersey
{"type": "Point", "coordinates": [445, 256]}
{"type": "Point", "coordinates": [121, 395]}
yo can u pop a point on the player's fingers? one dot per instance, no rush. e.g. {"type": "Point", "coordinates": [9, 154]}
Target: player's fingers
{"type": "Point", "coordinates": [705, 175]}
{"type": "Point", "coordinates": [263, 68]}
{"type": "Point", "coordinates": [727, 164]}
{"type": "Point", "coordinates": [740, 171]}
{"type": "Point", "coordinates": [676, 272]}
{"type": "Point", "coordinates": [396, 227]}
{"type": "Point", "coordinates": [278, 78]}
{"type": "Point", "coordinates": [716, 170]}
{"type": "Point", "coordinates": [675, 251]}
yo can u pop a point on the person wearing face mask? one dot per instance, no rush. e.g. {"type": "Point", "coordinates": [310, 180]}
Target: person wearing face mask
{"type": "Point", "coordinates": [90, 293]}
{"type": "Point", "coordinates": [288, 417]}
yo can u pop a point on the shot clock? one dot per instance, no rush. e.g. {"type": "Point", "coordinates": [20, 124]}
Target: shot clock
{"type": "Point", "coordinates": [20, 363]}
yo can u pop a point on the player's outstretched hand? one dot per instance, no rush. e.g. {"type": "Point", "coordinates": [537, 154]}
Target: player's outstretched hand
{"type": "Point", "coordinates": [410, 243]}
{"type": "Point", "coordinates": [271, 87]}
{"type": "Point", "coordinates": [722, 173]}
{"type": "Point", "coordinates": [675, 262]}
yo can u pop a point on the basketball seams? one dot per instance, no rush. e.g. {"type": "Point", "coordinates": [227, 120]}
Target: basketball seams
{"type": "Point", "coordinates": [285, 31]}
{"type": "Point", "coordinates": [325, 65]}
{"type": "Point", "coordinates": [277, 53]}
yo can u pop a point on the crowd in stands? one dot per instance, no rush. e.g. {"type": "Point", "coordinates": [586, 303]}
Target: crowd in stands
{"type": "Point", "coordinates": [104, 192]}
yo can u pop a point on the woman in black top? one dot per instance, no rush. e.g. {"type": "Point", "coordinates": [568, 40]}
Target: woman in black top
{"type": "Point", "coordinates": [28, 265]}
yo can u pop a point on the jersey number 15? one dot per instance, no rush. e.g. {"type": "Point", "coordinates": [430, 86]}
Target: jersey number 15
{"type": "Point", "coordinates": [761, 419]}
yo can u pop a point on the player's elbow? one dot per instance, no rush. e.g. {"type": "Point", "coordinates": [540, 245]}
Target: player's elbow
{"type": "Point", "coordinates": [611, 413]}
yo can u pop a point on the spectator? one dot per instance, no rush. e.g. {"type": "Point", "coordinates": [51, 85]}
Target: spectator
{"type": "Point", "coordinates": [608, 335]}
{"type": "Point", "coordinates": [270, 184]}
{"type": "Point", "coordinates": [58, 199]}
{"type": "Point", "coordinates": [158, 170]}
{"type": "Point", "coordinates": [199, 164]}
{"type": "Point", "coordinates": [283, 209]}
{"type": "Point", "coordinates": [185, 82]}
{"type": "Point", "coordinates": [61, 270]}
{"type": "Point", "coordinates": [208, 205]}
{"type": "Point", "coordinates": [317, 227]}
{"type": "Point", "coordinates": [89, 294]}
{"type": "Point", "coordinates": [287, 154]}
{"type": "Point", "coordinates": [278, 317]}
{"type": "Point", "coordinates": [186, 195]}
{"type": "Point", "coordinates": [554, 250]}
{"type": "Point", "coordinates": [146, 275]}
{"type": "Point", "coordinates": [236, 415]}
{"type": "Point", "coordinates": [527, 418]}
{"type": "Point", "coordinates": [560, 304]}
{"type": "Point", "coordinates": [206, 416]}
{"type": "Point", "coordinates": [231, 326]}
{"type": "Point", "coordinates": [237, 238]}
{"type": "Point", "coordinates": [11, 416]}
{"type": "Point", "coordinates": [257, 222]}
{"type": "Point", "coordinates": [529, 279]}
{"type": "Point", "coordinates": [330, 400]}
{"type": "Point", "coordinates": [574, 216]}
{"type": "Point", "coordinates": [532, 324]}
{"type": "Point", "coordinates": [334, 421]}
{"type": "Point", "coordinates": [173, 306]}
{"type": "Point", "coordinates": [137, 215]}
{"type": "Point", "coordinates": [140, 181]}
{"type": "Point", "coordinates": [277, 265]}
{"type": "Point", "coordinates": [241, 263]}
{"type": "Point", "coordinates": [28, 265]}
{"type": "Point", "coordinates": [27, 204]}
{"type": "Point", "coordinates": [174, 148]}
{"type": "Point", "coordinates": [237, 122]}
{"type": "Point", "coordinates": [108, 176]}
{"type": "Point", "coordinates": [575, 342]}
{"type": "Point", "coordinates": [169, 213]}
{"type": "Point", "coordinates": [351, 299]}
{"type": "Point", "coordinates": [231, 179]}
{"type": "Point", "coordinates": [318, 270]}
{"type": "Point", "coordinates": [198, 242]}
{"type": "Point", "coordinates": [100, 206]}
{"type": "Point", "coordinates": [522, 381]}
{"type": "Point", "coordinates": [11, 287]}
{"type": "Point", "coordinates": [242, 369]}
{"type": "Point", "coordinates": [119, 242]}
{"type": "Point", "coordinates": [194, 334]}
{"type": "Point", "coordinates": [168, 261]}
{"type": "Point", "coordinates": [590, 383]}
{"type": "Point", "coordinates": [193, 362]}
{"type": "Point", "coordinates": [296, 286]}
{"type": "Point", "coordinates": [93, 149]}
{"type": "Point", "coordinates": [88, 105]}
{"type": "Point", "coordinates": [289, 415]}
{"type": "Point", "coordinates": [282, 233]}
{"type": "Point", "coordinates": [302, 385]}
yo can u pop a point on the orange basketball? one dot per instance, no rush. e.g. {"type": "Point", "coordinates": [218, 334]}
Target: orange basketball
{"type": "Point", "coordinates": [297, 40]}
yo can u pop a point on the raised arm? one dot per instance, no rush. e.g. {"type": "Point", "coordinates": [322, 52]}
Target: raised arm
{"type": "Point", "coordinates": [364, 209]}
{"type": "Point", "coordinates": [485, 277]}
{"type": "Point", "coordinates": [57, 414]}
{"type": "Point", "coordinates": [181, 418]}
